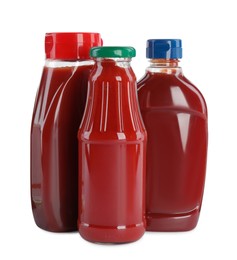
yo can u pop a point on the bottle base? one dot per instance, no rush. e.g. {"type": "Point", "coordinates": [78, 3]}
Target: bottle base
{"type": "Point", "coordinates": [42, 223]}
{"type": "Point", "coordinates": [172, 222]}
{"type": "Point", "coordinates": [120, 234]}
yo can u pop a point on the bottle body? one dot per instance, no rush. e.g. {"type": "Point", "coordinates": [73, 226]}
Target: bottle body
{"type": "Point", "coordinates": [175, 116]}
{"type": "Point", "coordinates": [112, 146]}
{"type": "Point", "coordinates": [56, 118]}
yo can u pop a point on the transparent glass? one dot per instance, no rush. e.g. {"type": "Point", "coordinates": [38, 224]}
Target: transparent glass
{"type": "Point", "coordinates": [112, 148]}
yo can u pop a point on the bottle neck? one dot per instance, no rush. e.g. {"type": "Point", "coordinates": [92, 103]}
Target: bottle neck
{"type": "Point", "coordinates": [50, 63]}
{"type": "Point", "coordinates": [121, 62]}
{"type": "Point", "coordinates": [166, 66]}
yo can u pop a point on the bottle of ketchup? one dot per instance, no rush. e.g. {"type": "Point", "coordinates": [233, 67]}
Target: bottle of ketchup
{"type": "Point", "coordinates": [112, 151]}
{"type": "Point", "coordinates": [175, 116]}
{"type": "Point", "coordinates": [57, 114]}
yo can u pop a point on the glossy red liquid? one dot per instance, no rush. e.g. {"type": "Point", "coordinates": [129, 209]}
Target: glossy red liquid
{"type": "Point", "coordinates": [175, 116]}
{"type": "Point", "coordinates": [57, 115]}
{"type": "Point", "coordinates": [112, 143]}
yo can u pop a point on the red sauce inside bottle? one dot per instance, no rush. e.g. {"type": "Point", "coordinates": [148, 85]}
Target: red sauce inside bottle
{"type": "Point", "coordinates": [112, 143]}
{"type": "Point", "coordinates": [175, 116]}
{"type": "Point", "coordinates": [56, 118]}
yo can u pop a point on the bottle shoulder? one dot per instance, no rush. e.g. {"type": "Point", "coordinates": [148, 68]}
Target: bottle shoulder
{"type": "Point", "coordinates": [112, 112]}
{"type": "Point", "coordinates": [174, 91]}
{"type": "Point", "coordinates": [113, 73]}
{"type": "Point", "coordinates": [58, 90]}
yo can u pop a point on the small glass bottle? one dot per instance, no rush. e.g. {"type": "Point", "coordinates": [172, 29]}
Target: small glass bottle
{"type": "Point", "coordinates": [112, 147]}
{"type": "Point", "coordinates": [57, 114]}
{"type": "Point", "coordinates": [175, 116]}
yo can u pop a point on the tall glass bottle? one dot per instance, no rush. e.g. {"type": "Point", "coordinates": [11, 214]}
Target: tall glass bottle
{"type": "Point", "coordinates": [112, 145]}
{"type": "Point", "coordinates": [57, 114]}
{"type": "Point", "coordinates": [175, 116]}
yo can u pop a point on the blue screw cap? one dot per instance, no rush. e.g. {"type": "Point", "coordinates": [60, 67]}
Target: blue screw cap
{"type": "Point", "coordinates": [164, 49]}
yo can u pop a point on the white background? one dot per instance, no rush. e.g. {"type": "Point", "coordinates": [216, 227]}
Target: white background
{"type": "Point", "coordinates": [208, 30]}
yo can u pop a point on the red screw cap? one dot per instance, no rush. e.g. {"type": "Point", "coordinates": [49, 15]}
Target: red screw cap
{"type": "Point", "coordinates": [71, 46]}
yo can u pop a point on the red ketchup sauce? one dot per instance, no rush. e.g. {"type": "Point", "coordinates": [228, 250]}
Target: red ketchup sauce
{"type": "Point", "coordinates": [57, 114]}
{"type": "Point", "coordinates": [175, 116]}
{"type": "Point", "coordinates": [112, 146]}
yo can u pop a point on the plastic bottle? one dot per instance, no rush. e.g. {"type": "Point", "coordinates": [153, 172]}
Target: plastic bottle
{"type": "Point", "coordinates": [112, 146]}
{"type": "Point", "coordinates": [175, 116]}
{"type": "Point", "coordinates": [57, 114]}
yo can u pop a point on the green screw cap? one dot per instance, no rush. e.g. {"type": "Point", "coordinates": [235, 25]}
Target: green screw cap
{"type": "Point", "coordinates": [113, 52]}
